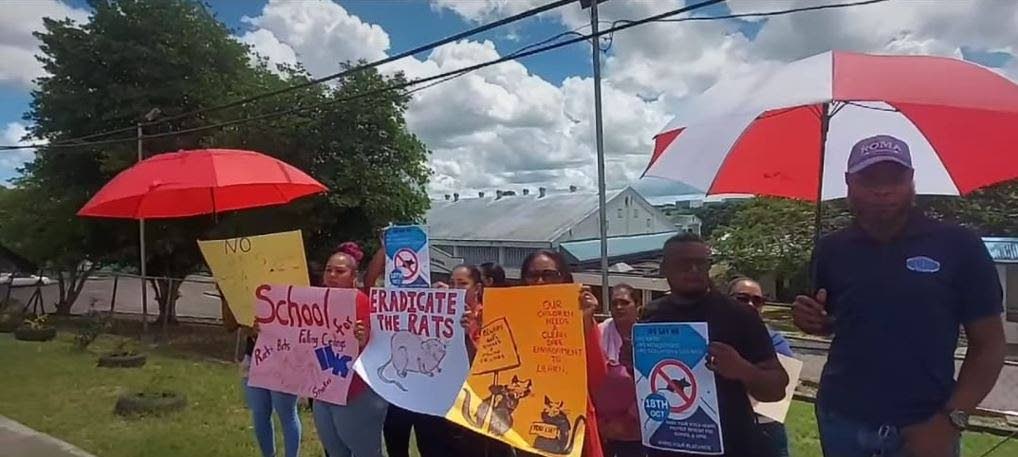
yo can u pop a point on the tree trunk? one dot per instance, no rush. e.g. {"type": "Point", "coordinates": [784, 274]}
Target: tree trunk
{"type": "Point", "coordinates": [167, 293]}
{"type": "Point", "coordinates": [70, 287]}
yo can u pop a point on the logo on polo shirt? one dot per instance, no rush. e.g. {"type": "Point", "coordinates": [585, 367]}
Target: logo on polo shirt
{"type": "Point", "coordinates": [922, 264]}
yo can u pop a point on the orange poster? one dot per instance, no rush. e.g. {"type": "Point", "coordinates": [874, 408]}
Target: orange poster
{"type": "Point", "coordinates": [528, 381]}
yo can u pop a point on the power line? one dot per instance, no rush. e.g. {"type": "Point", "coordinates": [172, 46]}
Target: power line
{"type": "Point", "coordinates": [344, 73]}
{"type": "Point", "coordinates": [447, 76]}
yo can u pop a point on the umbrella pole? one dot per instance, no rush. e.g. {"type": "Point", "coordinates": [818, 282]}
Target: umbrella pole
{"type": "Point", "coordinates": [825, 124]}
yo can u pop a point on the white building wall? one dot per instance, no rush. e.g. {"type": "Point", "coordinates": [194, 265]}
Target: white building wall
{"type": "Point", "coordinates": [628, 214]}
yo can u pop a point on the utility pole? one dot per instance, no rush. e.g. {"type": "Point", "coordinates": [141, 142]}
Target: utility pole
{"type": "Point", "coordinates": [599, 141]}
{"type": "Point", "coordinates": [149, 117]}
{"type": "Point", "coordinates": [141, 243]}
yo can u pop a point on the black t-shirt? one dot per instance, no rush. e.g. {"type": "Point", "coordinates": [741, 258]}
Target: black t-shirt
{"type": "Point", "coordinates": [249, 346]}
{"type": "Point", "coordinates": [739, 326]}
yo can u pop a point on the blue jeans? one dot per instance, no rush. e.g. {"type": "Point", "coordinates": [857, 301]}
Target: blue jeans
{"type": "Point", "coordinates": [844, 437]}
{"type": "Point", "coordinates": [352, 430]}
{"type": "Point", "coordinates": [262, 402]}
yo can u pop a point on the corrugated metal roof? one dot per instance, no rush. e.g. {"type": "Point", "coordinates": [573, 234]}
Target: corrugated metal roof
{"type": "Point", "coordinates": [512, 218]}
{"type": "Point", "coordinates": [1003, 250]}
{"type": "Point", "coordinates": [619, 246]}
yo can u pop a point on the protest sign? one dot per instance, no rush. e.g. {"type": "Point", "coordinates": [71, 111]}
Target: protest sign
{"type": "Point", "coordinates": [407, 257]}
{"type": "Point", "coordinates": [306, 344]}
{"type": "Point", "coordinates": [416, 357]}
{"type": "Point", "coordinates": [675, 391]}
{"type": "Point", "coordinates": [242, 264]}
{"type": "Point", "coordinates": [779, 409]}
{"type": "Point", "coordinates": [528, 381]}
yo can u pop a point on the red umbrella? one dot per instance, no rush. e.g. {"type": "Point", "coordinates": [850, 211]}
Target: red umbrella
{"type": "Point", "coordinates": [788, 132]}
{"type": "Point", "coordinates": [191, 183]}
{"type": "Point", "coordinates": [205, 181]}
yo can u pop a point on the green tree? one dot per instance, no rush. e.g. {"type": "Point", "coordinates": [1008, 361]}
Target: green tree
{"type": "Point", "coordinates": [774, 236]}
{"type": "Point", "coordinates": [135, 55]}
{"type": "Point", "coordinates": [130, 57]}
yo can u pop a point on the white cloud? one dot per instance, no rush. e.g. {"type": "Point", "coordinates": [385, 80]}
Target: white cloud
{"type": "Point", "coordinates": [267, 46]}
{"type": "Point", "coordinates": [504, 126]}
{"type": "Point", "coordinates": [14, 133]}
{"type": "Point", "coordinates": [486, 10]}
{"type": "Point", "coordinates": [18, 46]}
{"type": "Point", "coordinates": [320, 33]}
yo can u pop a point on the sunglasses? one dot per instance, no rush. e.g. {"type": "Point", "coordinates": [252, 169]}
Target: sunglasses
{"type": "Point", "coordinates": [545, 275]}
{"type": "Point", "coordinates": [748, 299]}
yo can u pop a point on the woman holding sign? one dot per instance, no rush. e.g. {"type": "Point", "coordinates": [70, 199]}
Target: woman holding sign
{"type": "Point", "coordinates": [354, 429]}
{"type": "Point", "coordinates": [616, 401]}
{"type": "Point", "coordinates": [548, 267]}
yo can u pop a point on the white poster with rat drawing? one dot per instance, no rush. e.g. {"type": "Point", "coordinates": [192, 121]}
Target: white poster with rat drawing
{"type": "Point", "coordinates": [416, 357]}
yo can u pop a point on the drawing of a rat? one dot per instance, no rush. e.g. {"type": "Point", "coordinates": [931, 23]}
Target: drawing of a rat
{"type": "Point", "coordinates": [553, 414]}
{"type": "Point", "coordinates": [412, 354]}
{"type": "Point", "coordinates": [501, 404]}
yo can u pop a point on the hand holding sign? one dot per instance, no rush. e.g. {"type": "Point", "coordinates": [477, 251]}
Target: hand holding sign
{"type": "Point", "coordinates": [727, 362]}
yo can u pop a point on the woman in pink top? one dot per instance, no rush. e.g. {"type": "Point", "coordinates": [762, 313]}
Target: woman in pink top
{"type": "Point", "coordinates": [616, 399]}
{"type": "Point", "coordinates": [354, 429]}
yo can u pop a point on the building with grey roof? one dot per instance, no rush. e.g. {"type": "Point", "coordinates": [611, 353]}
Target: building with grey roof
{"type": "Point", "coordinates": [505, 227]}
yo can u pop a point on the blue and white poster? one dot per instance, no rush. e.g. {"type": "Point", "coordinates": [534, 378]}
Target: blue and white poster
{"type": "Point", "coordinates": [407, 257]}
{"type": "Point", "coordinates": [675, 390]}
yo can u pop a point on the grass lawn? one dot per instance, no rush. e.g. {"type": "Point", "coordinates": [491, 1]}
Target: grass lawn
{"type": "Point", "coordinates": [57, 389]}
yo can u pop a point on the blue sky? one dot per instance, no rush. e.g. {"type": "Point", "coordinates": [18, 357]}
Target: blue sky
{"type": "Point", "coordinates": [528, 123]}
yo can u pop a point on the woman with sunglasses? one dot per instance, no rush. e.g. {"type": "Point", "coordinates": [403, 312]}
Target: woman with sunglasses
{"type": "Point", "coordinates": [749, 292]}
{"type": "Point", "coordinates": [549, 267]}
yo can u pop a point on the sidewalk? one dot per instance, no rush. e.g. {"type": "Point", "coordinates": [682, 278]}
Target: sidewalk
{"type": "Point", "coordinates": [16, 440]}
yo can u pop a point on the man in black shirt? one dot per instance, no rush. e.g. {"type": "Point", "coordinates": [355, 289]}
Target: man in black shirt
{"type": "Point", "coordinates": [740, 351]}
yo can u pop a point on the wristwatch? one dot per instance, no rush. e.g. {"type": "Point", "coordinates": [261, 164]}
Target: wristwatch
{"type": "Point", "coordinates": [959, 419]}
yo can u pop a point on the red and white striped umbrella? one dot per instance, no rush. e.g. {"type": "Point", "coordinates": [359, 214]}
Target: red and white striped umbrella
{"type": "Point", "coordinates": [786, 131]}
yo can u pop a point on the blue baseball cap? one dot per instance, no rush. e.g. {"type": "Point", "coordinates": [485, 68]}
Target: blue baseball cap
{"type": "Point", "coordinates": [876, 149]}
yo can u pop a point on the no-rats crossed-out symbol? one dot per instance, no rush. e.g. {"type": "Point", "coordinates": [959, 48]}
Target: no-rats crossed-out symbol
{"type": "Point", "coordinates": [406, 262]}
{"type": "Point", "coordinates": [674, 376]}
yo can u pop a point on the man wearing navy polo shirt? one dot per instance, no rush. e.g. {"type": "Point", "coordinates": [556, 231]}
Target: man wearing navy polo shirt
{"type": "Point", "coordinates": [893, 289]}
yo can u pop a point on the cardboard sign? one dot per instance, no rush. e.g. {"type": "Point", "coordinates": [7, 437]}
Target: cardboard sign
{"type": "Point", "coordinates": [528, 383]}
{"type": "Point", "coordinates": [779, 409]}
{"type": "Point", "coordinates": [240, 265]}
{"type": "Point", "coordinates": [675, 392]}
{"type": "Point", "coordinates": [407, 257]}
{"type": "Point", "coordinates": [306, 345]}
{"type": "Point", "coordinates": [416, 357]}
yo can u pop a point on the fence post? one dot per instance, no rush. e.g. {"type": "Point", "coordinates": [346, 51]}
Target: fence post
{"type": "Point", "coordinates": [166, 308]}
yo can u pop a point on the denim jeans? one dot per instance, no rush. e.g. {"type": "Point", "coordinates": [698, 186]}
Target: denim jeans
{"type": "Point", "coordinates": [844, 437]}
{"type": "Point", "coordinates": [354, 429]}
{"type": "Point", "coordinates": [262, 402]}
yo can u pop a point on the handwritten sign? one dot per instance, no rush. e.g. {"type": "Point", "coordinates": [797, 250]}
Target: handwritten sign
{"type": "Point", "coordinates": [416, 357]}
{"type": "Point", "coordinates": [242, 264]}
{"type": "Point", "coordinates": [306, 344]}
{"type": "Point", "coordinates": [779, 409]}
{"type": "Point", "coordinates": [675, 391]}
{"type": "Point", "coordinates": [407, 257]}
{"type": "Point", "coordinates": [496, 349]}
{"type": "Point", "coordinates": [528, 382]}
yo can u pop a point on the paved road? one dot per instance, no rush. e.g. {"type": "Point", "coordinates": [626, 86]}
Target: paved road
{"type": "Point", "coordinates": [16, 440]}
{"type": "Point", "coordinates": [1003, 397]}
{"type": "Point", "coordinates": [98, 292]}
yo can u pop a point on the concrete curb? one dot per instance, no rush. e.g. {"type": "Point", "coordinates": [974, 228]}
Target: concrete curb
{"type": "Point", "coordinates": [17, 440]}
